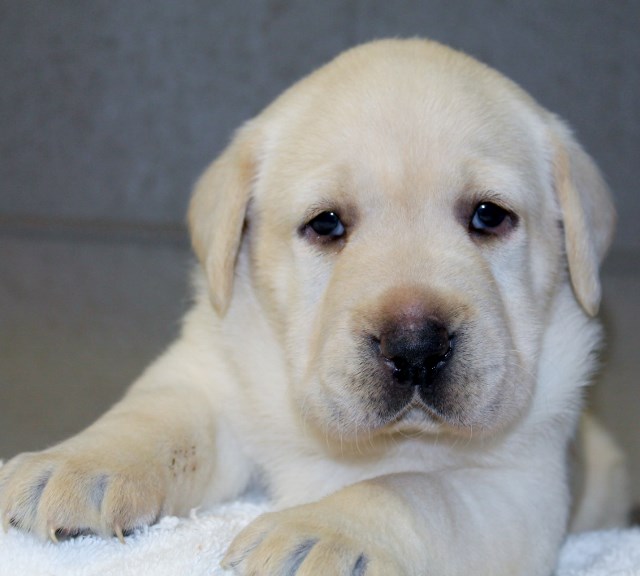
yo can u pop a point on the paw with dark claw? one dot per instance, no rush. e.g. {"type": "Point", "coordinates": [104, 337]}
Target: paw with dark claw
{"type": "Point", "coordinates": [66, 492]}
{"type": "Point", "coordinates": [307, 541]}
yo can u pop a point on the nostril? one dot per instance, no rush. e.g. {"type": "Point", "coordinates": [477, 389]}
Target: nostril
{"type": "Point", "coordinates": [441, 359]}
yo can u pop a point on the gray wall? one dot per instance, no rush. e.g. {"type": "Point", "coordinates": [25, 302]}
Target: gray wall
{"type": "Point", "coordinates": [109, 109]}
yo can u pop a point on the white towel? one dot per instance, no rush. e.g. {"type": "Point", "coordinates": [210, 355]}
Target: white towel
{"type": "Point", "coordinates": [194, 547]}
{"type": "Point", "coordinates": [174, 547]}
{"type": "Point", "coordinates": [610, 553]}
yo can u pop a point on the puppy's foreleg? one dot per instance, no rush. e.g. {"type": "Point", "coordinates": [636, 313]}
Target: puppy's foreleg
{"type": "Point", "coordinates": [153, 453]}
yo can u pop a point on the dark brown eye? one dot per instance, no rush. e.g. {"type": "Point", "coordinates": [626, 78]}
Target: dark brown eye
{"type": "Point", "coordinates": [490, 218]}
{"type": "Point", "coordinates": [327, 224]}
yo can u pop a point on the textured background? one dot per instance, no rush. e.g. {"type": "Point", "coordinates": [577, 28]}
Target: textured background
{"type": "Point", "coordinates": [109, 110]}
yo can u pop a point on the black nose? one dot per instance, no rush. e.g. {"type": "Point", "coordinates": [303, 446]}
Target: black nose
{"type": "Point", "coordinates": [414, 352]}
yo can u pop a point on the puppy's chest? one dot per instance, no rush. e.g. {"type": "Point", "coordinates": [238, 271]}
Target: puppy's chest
{"type": "Point", "coordinates": [294, 478]}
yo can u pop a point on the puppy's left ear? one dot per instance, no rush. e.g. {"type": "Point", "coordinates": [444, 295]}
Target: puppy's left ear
{"type": "Point", "coordinates": [588, 215]}
{"type": "Point", "coordinates": [217, 214]}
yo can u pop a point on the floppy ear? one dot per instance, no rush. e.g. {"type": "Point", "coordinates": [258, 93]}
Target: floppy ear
{"type": "Point", "coordinates": [217, 213]}
{"type": "Point", "coordinates": [588, 216]}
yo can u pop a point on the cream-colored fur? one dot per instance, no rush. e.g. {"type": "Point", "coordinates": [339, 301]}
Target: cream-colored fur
{"type": "Point", "coordinates": [280, 373]}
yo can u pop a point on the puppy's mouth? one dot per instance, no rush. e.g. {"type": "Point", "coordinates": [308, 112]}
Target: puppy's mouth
{"type": "Point", "coordinates": [414, 414]}
{"type": "Point", "coordinates": [414, 417]}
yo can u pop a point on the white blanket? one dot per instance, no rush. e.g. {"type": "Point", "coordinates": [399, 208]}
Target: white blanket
{"type": "Point", "coordinates": [194, 546]}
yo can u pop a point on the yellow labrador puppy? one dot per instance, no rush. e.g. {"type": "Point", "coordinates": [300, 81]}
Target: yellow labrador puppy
{"type": "Point", "coordinates": [393, 324]}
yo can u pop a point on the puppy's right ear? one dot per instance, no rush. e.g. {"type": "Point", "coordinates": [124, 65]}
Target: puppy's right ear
{"type": "Point", "coordinates": [217, 213]}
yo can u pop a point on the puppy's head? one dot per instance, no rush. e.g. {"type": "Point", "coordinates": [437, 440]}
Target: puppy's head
{"type": "Point", "coordinates": [406, 215]}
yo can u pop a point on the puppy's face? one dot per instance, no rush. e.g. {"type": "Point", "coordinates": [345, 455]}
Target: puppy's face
{"type": "Point", "coordinates": [404, 239]}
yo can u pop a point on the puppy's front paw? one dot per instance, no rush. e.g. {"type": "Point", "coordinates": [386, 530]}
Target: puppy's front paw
{"type": "Point", "coordinates": [69, 490]}
{"type": "Point", "coordinates": [307, 541]}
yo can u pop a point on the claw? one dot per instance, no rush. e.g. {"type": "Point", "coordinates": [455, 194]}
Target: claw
{"type": "Point", "coordinates": [52, 535]}
{"type": "Point", "coordinates": [119, 534]}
